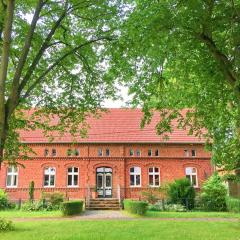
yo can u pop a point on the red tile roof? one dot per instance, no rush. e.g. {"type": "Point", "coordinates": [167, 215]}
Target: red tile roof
{"type": "Point", "coordinates": [114, 126]}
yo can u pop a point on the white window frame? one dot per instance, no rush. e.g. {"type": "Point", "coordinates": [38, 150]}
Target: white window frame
{"type": "Point", "coordinates": [73, 174]}
{"type": "Point", "coordinates": [49, 186]}
{"type": "Point", "coordinates": [191, 174]}
{"type": "Point", "coordinates": [12, 174]}
{"type": "Point", "coordinates": [137, 171]}
{"type": "Point", "coordinates": [154, 174]}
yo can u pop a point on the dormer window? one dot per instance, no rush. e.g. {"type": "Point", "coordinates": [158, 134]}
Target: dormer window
{"type": "Point", "coordinates": [149, 152]}
{"type": "Point", "coordinates": [138, 152]}
{"type": "Point", "coordinates": [186, 153]}
{"type": "Point", "coordinates": [69, 152]}
{"type": "Point", "coordinates": [100, 153]}
{"type": "Point", "coordinates": [107, 152]}
{"type": "Point", "coordinates": [194, 153]}
{"type": "Point", "coordinates": [54, 152]}
{"type": "Point", "coordinates": [76, 152]}
{"type": "Point", "coordinates": [131, 152]}
{"type": "Point", "coordinates": [46, 152]}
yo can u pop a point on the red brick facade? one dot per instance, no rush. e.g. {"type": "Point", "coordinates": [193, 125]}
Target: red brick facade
{"type": "Point", "coordinates": [171, 162]}
{"type": "Point", "coordinates": [116, 133]}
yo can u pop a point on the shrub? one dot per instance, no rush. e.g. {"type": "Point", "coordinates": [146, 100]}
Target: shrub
{"type": "Point", "coordinates": [71, 207]}
{"type": "Point", "coordinates": [181, 192]}
{"type": "Point", "coordinates": [52, 199]}
{"type": "Point", "coordinates": [32, 206]}
{"type": "Point", "coordinates": [135, 207]}
{"type": "Point", "coordinates": [5, 225]}
{"type": "Point", "coordinates": [213, 195]}
{"type": "Point", "coordinates": [233, 204]}
{"type": "Point", "coordinates": [175, 208]}
{"type": "Point", "coordinates": [31, 191]}
{"type": "Point", "coordinates": [150, 196]}
{"type": "Point", "coordinates": [3, 200]}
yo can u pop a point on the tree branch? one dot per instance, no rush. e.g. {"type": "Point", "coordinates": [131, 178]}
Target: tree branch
{"type": "Point", "coordinates": [38, 80]}
{"type": "Point", "coordinates": [25, 51]}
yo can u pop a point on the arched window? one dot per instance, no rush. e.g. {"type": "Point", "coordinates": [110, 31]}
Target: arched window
{"type": "Point", "coordinates": [49, 177]}
{"type": "Point", "coordinates": [73, 173]}
{"type": "Point", "coordinates": [191, 174]}
{"type": "Point", "coordinates": [12, 176]}
{"type": "Point", "coordinates": [154, 177]}
{"type": "Point", "coordinates": [135, 176]}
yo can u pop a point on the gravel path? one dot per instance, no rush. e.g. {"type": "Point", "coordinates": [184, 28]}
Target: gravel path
{"type": "Point", "coordinates": [119, 215]}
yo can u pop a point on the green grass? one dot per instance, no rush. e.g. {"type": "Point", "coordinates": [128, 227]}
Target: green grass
{"type": "Point", "coordinates": [116, 229]}
{"type": "Point", "coordinates": [25, 214]}
{"type": "Point", "coordinates": [154, 214]}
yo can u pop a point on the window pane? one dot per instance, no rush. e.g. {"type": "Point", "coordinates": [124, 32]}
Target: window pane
{"type": "Point", "coordinates": [138, 152]}
{"type": "Point", "coordinates": [99, 152]}
{"type": "Point", "coordinates": [194, 170]}
{"type": "Point", "coordinates": [46, 180]}
{"type": "Point", "coordinates": [99, 181]}
{"type": "Point", "coordinates": [108, 181]}
{"type": "Point", "coordinates": [138, 181]}
{"type": "Point", "coordinates": [188, 177]}
{"type": "Point", "coordinates": [188, 171]}
{"type": "Point", "coordinates": [193, 153]}
{"type": "Point", "coordinates": [77, 153]}
{"type": "Point", "coordinates": [194, 180]}
{"type": "Point", "coordinates": [69, 170]}
{"type": "Point", "coordinates": [107, 152]}
{"type": "Point", "coordinates": [131, 152]}
{"type": "Point", "coordinates": [132, 170]}
{"type": "Point", "coordinates": [75, 180]}
{"type": "Point", "coordinates": [156, 152]}
{"type": "Point", "coordinates": [137, 170]}
{"type": "Point", "coordinates": [9, 181]}
{"type": "Point", "coordinates": [69, 152]}
{"type": "Point", "coordinates": [186, 153]}
{"type": "Point", "coordinates": [76, 170]}
{"type": "Point", "coordinates": [156, 170]}
{"type": "Point", "coordinates": [54, 152]}
{"type": "Point", "coordinates": [69, 180]}
{"type": "Point", "coordinates": [52, 179]}
{"type": "Point", "coordinates": [150, 179]}
{"type": "Point", "coordinates": [132, 182]}
{"type": "Point", "coordinates": [15, 180]}
{"type": "Point", "coordinates": [156, 180]}
{"type": "Point", "coordinates": [151, 169]}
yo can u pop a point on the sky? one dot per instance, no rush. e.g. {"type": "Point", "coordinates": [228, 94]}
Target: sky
{"type": "Point", "coordinates": [123, 92]}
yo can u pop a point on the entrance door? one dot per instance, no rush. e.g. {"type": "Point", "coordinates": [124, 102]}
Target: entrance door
{"type": "Point", "coordinates": [104, 182]}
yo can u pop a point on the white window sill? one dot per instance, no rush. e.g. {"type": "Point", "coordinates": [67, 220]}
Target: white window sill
{"type": "Point", "coordinates": [11, 186]}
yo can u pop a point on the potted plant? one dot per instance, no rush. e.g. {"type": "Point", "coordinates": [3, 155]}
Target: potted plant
{"type": "Point", "coordinates": [94, 193]}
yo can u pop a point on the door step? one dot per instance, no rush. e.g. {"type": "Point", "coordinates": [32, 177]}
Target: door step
{"type": "Point", "coordinates": [103, 204]}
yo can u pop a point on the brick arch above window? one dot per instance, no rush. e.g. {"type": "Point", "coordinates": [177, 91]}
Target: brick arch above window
{"type": "Point", "coordinates": [105, 164]}
{"type": "Point", "coordinates": [135, 164]}
{"type": "Point", "coordinates": [71, 164]}
{"type": "Point", "coordinates": [49, 164]}
{"type": "Point", "coordinates": [192, 164]}
{"type": "Point", "coordinates": [153, 164]}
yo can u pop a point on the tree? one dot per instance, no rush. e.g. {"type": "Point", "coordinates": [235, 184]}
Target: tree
{"type": "Point", "coordinates": [178, 54]}
{"type": "Point", "coordinates": [51, 59]}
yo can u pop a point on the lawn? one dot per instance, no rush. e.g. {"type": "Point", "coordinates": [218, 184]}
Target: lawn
{"type": "Point", "coordinates": [26, 214]}
{"type": "Point", "coordinates": [153, 214]}
{"type": "Point", "coordinates": [123, 229]}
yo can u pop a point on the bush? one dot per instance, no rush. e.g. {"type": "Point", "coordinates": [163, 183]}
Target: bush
{"type": "Point", "coordinates": [52, 200]}
{"type": "Point", "coordinates": [213, 195]}
{"type": "Point", "coordinates": [32, 206]}
{"type": "Point", "coordinates": [135, 207]}
{"type": "Point", "coordinates": [71, 207]}
{"type": "Point", "coordinates": [150, 196]}
{"type": "Point", "coordinates": [5, 225]}
{"type": "Point", "coordinates": [3, 200]}
{"type": "Point", "coordinates": [181, 192]}
{"type": "Point", "coordinates": [175, 208]}
{"type": "Point", "coordinates": [233, 204]}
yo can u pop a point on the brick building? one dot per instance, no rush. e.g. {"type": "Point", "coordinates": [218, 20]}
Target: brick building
{"type": "Point", "coordinates": [117, 158]}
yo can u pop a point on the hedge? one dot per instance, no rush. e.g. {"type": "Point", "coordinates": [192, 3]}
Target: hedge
{"type": "Point", "coordinates": [72, 207]}
{"type": "Point", "coordinates": [233, 204]}
{"type": "Point", "coordinates": [135, 207]}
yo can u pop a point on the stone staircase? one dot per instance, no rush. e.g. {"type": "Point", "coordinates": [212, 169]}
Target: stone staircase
{"type": "Point", "coordinates": [104, 204]}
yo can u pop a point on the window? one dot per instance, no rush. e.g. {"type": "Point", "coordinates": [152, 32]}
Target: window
{"type": "Point", "coordinates": [186, 153]}
{"type": "Point", "coordinates": [12, 176]}
{"type": "Point", "coordinates": [191, 174]}
{"type": "Point", "coordinates": [72, 177]}
{"type": "Point", "coordinates": [135, 176]}
{"type": "Point", "coordinates": [69, 152]}
{"type": "Point", "coordinates": [100, 153]}
{"type": "Point", "coordinates": [131, 152]}
{"type": "Point", "coordinates": [54, 152]}
{"type": "Point", "coordinates": [107, 152]}
{"type": "Point", "coordinates": [76, 152]}
{"type": "Point", "coordinates": [153, 177]}
{"type": "Point", "coordinates": [194, 153]}
{"type": "Point", "coordinates": [46, 152]}
{"type": "Point", "coordinates": [138, 152]}
{"type": "Point", "coordinates": [156, 152]}
{"type": "Point", "coordinates": [149, 152]}
{"type": "Point", "coordinates": [49, 177]}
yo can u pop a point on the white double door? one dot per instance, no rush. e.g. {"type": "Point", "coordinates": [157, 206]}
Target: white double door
{"type": "Point", "coordinates": [104, 182]}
